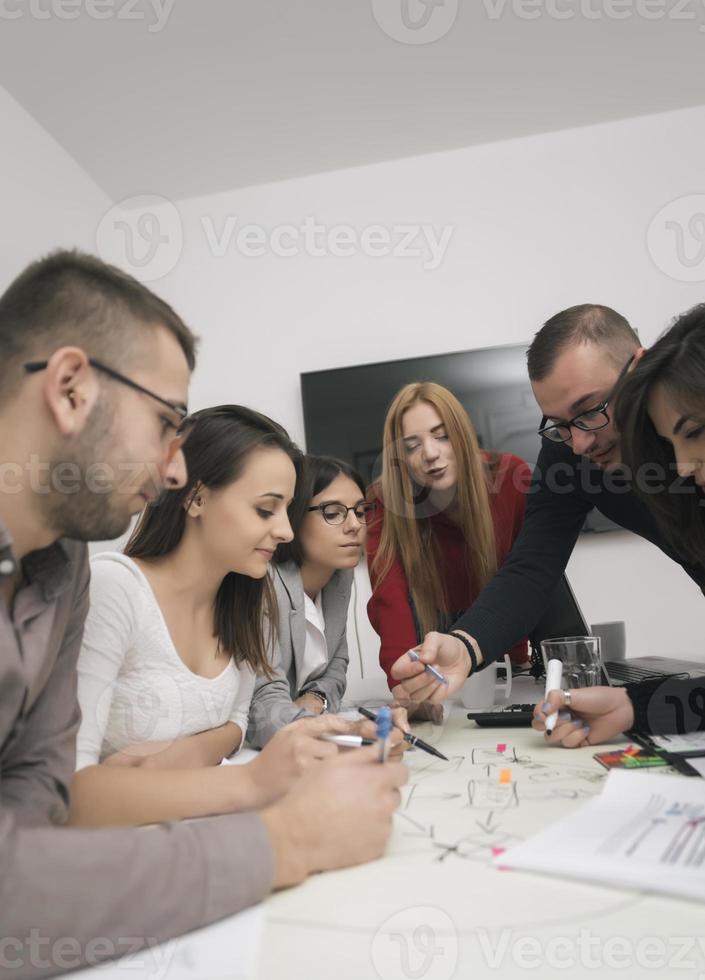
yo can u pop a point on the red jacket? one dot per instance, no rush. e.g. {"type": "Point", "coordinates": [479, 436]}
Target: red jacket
{"type": "Point", "coordinates": [389, 610]}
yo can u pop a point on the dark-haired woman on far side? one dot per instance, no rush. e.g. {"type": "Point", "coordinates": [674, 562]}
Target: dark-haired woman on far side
{"type": "Point", "coordinates": [174, 638]}
{"type": "Point", "coordinates": [313, 576]}
{"type": "Point", "coordinates": [660, 415]}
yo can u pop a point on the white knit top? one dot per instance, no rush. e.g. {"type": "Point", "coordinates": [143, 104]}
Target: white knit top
{"type": "Point", "coordinates": [133, 686]}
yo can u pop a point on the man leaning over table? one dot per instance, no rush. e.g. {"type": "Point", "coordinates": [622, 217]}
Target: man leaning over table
{"type": "Point", "coordinates": [576, 363]}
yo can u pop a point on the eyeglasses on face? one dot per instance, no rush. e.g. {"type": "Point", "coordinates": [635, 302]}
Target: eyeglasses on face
{"type": "Point", "coordinates": [338, 513]}
{"type": "Point", "coordinates": [589, 421]}
{"type": "Point", "coordinates": [183, 427]}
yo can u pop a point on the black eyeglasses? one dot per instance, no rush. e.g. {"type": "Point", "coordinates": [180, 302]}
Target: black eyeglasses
{"type": "Point", "coordinates": [590, 421]}
{"type": "Point", "coordinates": [338, 513]}
{"type": "Point", "coordinates": [182, 429]}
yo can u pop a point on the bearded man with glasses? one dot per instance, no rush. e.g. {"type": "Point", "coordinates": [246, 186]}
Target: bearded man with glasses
{"type": "Point", "coordinates": [94, 376]}
{"type": "Point", "coordinates": [576, 363]}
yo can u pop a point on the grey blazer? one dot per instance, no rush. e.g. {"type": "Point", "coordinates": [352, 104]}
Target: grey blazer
{"type": "Point", "coordinates": [272, 704]}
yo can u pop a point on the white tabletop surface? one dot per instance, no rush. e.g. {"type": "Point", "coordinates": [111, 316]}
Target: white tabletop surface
{"type": "Point", "coordinates": [430, 912]}
{"type": "Point", "coordinates": [436, 907]}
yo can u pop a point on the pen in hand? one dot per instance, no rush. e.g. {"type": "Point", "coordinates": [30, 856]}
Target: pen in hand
{"type": "Point", "coordinates": [347, 741]}
{"type": "Point", "coordinates": [408, 737]}
{"type": "Point", "coordinates": [436, 674]}
{"type": "Point", "coordinates": [384, 727]}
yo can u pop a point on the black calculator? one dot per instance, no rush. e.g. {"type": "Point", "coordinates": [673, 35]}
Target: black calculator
{"type": "Point", "coordinates": [510, 714]}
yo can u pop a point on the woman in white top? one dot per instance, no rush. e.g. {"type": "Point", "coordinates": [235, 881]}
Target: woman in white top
{"type": "Point", "coordinates": [313, 577]}
{"type": "Point", "coordinates": [174, 636]}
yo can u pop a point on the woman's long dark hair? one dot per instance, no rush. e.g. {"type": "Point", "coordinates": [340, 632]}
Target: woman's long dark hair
{"type": "Point", "coordinates": [218, 446]}
{"type": "Point", "coordinates": [677, 363]}
{"type": "Point", "coordinates": [317, 473]}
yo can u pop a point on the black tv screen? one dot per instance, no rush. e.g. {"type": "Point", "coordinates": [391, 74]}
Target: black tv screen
{"type": "Point", "coordinates": [344, 408]}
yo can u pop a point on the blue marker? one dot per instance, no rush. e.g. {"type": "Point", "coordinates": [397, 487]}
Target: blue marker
{"type": "Point", "coordinates": [384, 728]}
{"type": "Point", "coordinates": [413, 655]}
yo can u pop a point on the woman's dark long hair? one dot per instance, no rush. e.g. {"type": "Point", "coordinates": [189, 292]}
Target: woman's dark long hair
{"type": "Point", "coordinates": [676, 362]}
{"type": "Point", "coordinates": [219, 443]}
{"type": "Point", "coordinates": [317, 473]}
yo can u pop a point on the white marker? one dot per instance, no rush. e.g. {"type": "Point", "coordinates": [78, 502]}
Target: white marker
{"type": "Point", "coordinates": [554, 679]}
{"type": "Point", "coordinates": [347, 741]}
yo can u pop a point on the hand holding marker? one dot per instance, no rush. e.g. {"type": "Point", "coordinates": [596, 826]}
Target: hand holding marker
{"type": "Point", "coordinates": [384, 727]}
{"type": "Point", "coordinates": [554, 679]}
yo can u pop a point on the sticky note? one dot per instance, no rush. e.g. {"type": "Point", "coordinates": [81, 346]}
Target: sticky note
{"type": "Point", "coordinates": [505, 775]}
{"type": "Point", "coordinates": [501, 747]}
{"type": "Point", "coordinates": [496, 851]}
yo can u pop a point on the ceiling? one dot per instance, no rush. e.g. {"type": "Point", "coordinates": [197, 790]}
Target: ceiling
{"type": "Point", "coordinates": [189, 97]}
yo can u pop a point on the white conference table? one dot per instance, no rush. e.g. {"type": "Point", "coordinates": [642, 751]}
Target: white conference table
{"type": "Point", "coordinates": [429, 912]}
{"type": "Point", "coordinates": [436, 907]}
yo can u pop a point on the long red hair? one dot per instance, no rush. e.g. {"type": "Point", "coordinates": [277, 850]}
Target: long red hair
{"type": "Point", "coordinates": [407, 535]}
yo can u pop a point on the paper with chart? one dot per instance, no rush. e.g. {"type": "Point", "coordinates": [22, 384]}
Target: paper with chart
{"type": "Point", "coordinates": [643, 833]}
{"type": "Point", "coordinates": [479, 801]}
{"type": "Point", "coordinates": [496, 790]}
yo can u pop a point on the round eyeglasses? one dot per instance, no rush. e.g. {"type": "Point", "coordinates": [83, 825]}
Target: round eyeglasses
{"type": "Point", "coordinates": [338, 513]}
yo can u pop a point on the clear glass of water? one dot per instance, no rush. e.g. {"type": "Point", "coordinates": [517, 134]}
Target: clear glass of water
{"type": "Point", "coordinates": [580, 656]}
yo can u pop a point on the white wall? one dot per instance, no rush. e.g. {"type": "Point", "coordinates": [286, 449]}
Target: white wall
{"type": "Point", "coordinates": [538, 224]}
{"type": "Point", "coordinates": [46, 200]}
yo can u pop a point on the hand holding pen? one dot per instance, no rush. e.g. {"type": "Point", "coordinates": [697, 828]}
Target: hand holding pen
{"type": "Point", "coordinates": [408, 737]}
{"type": "Point", "coordinates": [434, 670]}
{"type": "Point", "coordinates": [384, 729]}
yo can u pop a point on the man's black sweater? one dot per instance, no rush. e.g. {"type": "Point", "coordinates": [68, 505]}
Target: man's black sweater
{"type": "Point", "coordinates": [564, 489]}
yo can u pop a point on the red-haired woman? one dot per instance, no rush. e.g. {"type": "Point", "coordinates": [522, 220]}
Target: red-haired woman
{"type": "Point", "coordinates": [447, 514]}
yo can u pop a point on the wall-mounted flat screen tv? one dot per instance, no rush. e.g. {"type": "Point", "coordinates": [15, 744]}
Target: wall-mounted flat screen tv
{"type": "Point", "coordinates": [344, 408]}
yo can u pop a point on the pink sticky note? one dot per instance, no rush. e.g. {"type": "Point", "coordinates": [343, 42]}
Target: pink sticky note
{"type": "Point", "coordinates": [501, 747]}
{"type": "Point", "coordinates": [496, 851]}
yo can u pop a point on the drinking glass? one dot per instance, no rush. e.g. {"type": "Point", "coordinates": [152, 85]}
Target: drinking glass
{"type": "Point", "coordinates": [580, 656]}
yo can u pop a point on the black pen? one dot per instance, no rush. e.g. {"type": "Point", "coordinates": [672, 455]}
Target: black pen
{"type": "Point", "coordinates": [408, 737]}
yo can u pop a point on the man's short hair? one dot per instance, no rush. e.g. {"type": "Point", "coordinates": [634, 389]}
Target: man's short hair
{"type": "Point", "coordinates": [71, 298]}
{"type": "Point", "coordinates": [585, 324]}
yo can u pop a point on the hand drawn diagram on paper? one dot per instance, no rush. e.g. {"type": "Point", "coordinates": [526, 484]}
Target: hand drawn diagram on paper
{"type": "Point", "coordinates": [480, 802]}
{"type": "Point", "coordinates": [496, 791]}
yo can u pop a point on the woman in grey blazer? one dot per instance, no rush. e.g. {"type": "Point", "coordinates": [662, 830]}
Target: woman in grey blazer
{"type": "Point", "coordinates": [312, 577]}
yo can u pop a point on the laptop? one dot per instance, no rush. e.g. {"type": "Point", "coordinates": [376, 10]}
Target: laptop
{"type": "Point", "coordinates": [617, 673]}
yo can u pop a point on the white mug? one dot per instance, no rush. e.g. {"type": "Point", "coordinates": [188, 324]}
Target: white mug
{"type": "Point", "coordinates": [480, 689]}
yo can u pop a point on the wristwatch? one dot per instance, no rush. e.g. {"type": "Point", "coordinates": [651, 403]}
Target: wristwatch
{"type": "Point", "coordinates": [321, 697]}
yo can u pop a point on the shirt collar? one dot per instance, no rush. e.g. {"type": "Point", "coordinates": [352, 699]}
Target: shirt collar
{"type": "Point", "coordinates": [49, 567]}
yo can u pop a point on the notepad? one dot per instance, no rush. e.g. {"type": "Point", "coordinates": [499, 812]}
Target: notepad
{"type": "Point", "coordinates": [644, 831]}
